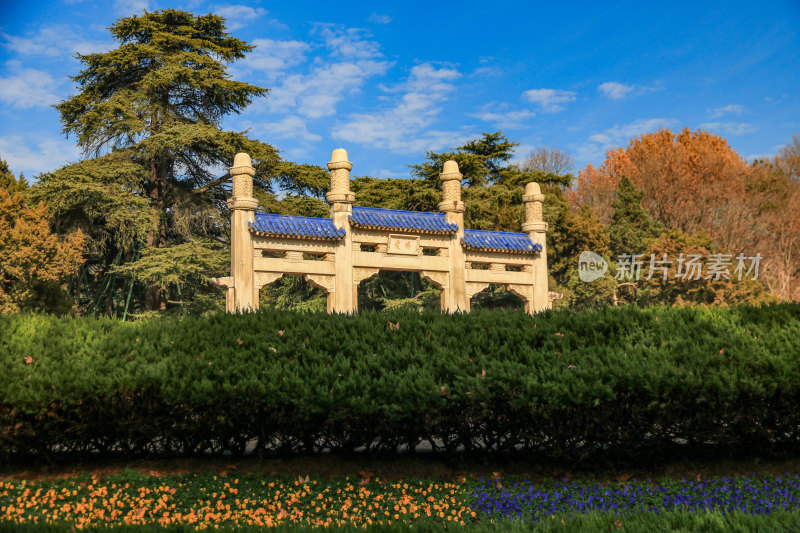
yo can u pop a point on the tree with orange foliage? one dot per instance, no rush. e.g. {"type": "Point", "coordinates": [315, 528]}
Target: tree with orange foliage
{"type": "Point", "coordinates": [34, 262]}
{"type": "Point", "coordinates": [597, 186]}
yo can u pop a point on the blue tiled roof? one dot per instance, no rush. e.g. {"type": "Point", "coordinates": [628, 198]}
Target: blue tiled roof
{"type": "Point", "coordinates": [499, 241]}
{"type": "Point", "coordinates": [298, 227]}
{"type": "Point", "coordinates": [414, 221]}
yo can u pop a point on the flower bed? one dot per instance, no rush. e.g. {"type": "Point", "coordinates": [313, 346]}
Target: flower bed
{"type": "Point", "coordinates": [204, 501]}
{"type": "Point", "coordinates": [724, 495]}
{"type": "Point", "coordinates": [207, 501]}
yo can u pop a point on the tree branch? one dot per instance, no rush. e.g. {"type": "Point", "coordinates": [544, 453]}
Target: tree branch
{"type": "Point", "coordinates": [212, 184]}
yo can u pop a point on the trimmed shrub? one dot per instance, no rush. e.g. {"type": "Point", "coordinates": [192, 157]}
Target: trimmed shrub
{"type": "Point", "coordinates": [566, 385]}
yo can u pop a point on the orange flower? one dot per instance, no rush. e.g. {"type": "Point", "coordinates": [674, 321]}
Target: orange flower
{"type": "Point", "coordinates": [28, 360]}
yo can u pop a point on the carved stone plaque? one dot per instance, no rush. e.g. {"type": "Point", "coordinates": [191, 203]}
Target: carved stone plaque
{"type": "Point", "coordinates": [403, 244]}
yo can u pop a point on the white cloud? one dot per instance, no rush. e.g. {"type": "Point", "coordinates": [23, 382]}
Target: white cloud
{"type": "Point", "coordinates": [521, 153]}
{"type": "Point", "coordinates": [549, 99]}
{"type": "Point", "coordinates": [238, 16]}
{"type": "Point", "coordinates": [729, 128]}
{"type": "Point", "coordinates": [131, 7]}
{"type": "Point", "coordinates": [290, 127]}
{"type": "Point", "coordinates": [501, 116]}
{"type": "Point", "coordinates": [726, 110]}
{"type": "Point", "coordinates": [54, 41]}
{"type": "Point", "coordinates": [316, 94]}
{"type": "Point", "coordinates": [620, 134]}
{"type": "Point", "coordinates": [272, 58]}
{"type": "Point", "coordinates": [350, 43]}
{"type": "Point", "coordinates": [376, 18]}
{"type": "Point", "coordinates": [404, 127]}
{"type": "Point", "coordinates": [34, 154]}
{"type": "Point", "coordinates": [27, 88]}
{"type": "Point", "coordinates": [615, 90]}
{"type": "Point", "coordinates": [617, 136]}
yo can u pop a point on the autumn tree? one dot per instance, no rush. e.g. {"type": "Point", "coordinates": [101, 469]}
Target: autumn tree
{"type": "Point", "coordinates": [34, 262]}
{"type": "Point", "coordinates": [597, 186]}
{"type": "Point", "coordinates": [549, 159]}
{"type": "Point", "coordinates": [788, 159]}
{"type": "Point", "coordinates": [693, 182]}
{"type": "Point", "coordinates": [148, 114]}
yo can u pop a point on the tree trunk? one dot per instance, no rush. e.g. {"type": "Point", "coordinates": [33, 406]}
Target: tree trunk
{"type": "Point", "coordinates": [155, 299]}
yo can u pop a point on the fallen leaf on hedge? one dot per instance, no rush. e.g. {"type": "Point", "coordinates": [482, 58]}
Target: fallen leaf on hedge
{"type": "Point", "coordinates": [28, 360]}
{"type": "Point", "coordinates": [721, 350]}
{"type": "Point", "coordinates": [239, 340]}
{"type": "Point", "coordinates": [280, 332]}
{"type": "Point", "coordinates": [572, 366]}
{"type": "Point", "coordinates": [483, 373]}
{"type": "Point", "coordinates": [559, 335]}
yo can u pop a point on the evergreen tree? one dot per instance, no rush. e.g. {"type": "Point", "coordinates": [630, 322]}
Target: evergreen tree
{"type": "Point", "coordinates": [149, 113]}
{"type": "Point", "coordinates": [632, 229]}
{"type": "Point", "coordinates": [485, 161]}
{"type": "Point", "coordinates": [10, 183]}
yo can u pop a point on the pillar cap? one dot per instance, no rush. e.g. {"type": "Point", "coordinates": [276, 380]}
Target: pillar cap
{"type": "Point", "coordinates": [450, 171]}
{"type": "Point", "coordinates": [532, 188]}
{"type": "Point", "coordinates": [242, 164]}
{"type": "Point", "coordinates": [339, 160]}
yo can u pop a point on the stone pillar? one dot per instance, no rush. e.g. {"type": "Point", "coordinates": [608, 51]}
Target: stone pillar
{"type": "Point", "coordinates": [536, 228]}
{"type": "Point", "coordinates": [243, 207]}
{"type": "Point", "coordinates": [340, 198]}
{"type": "Point", "coordinates": [454, 297]}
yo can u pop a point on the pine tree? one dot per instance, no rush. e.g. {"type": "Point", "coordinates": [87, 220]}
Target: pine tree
{"type": "Point", "coordinates": [632, 229]}
{"type": "Point", "coordinates": [485, 161]}
{"type": "Point", "coordinates": [10, 183]}
{"type": "Point", "coordinates": [149, 114]}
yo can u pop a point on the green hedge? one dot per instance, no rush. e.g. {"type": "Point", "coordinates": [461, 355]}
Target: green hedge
{"type": "Point", "coordinates": [564, 384]}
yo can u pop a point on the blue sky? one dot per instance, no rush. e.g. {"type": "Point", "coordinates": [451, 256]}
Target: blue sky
{"type": "Point", "coordinates": [388, 81]}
